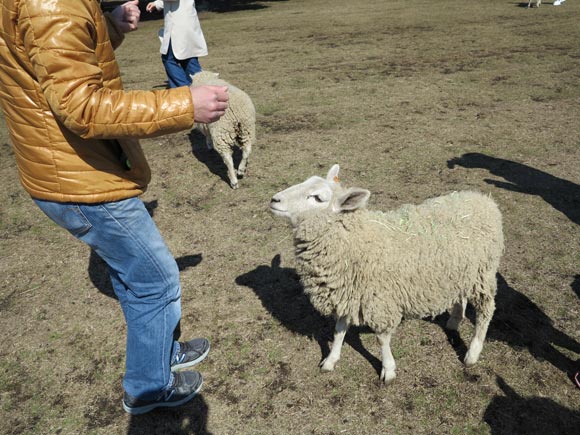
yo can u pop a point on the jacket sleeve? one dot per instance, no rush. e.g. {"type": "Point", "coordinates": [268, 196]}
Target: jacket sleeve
{"type": "Point", "coordinates": [115, 33]}
{"type": "Point", "coordinates": [68, 61]}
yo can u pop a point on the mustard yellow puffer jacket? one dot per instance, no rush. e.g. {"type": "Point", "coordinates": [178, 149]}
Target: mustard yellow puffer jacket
{"type": "Point", "coordinates": [73, 127]}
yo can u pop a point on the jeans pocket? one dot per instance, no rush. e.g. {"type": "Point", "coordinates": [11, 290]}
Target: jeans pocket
{"type": "Point", "coordinates": [68, 216]}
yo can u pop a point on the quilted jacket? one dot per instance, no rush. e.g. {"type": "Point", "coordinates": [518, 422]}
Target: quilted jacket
{"type": "Point", "coordinates": [74, 129]}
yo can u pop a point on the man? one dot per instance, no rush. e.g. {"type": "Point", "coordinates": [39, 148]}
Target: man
{"type": "Point", "coordinates": [74, 131]}
{"type": "Point", "coordinates": [182, 41]}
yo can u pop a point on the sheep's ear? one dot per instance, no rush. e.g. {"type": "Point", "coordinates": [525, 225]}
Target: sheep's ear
{"type": "Point", "coordinates": [353, 199]}
{"type": "Point", "coordinates": [332, 175]}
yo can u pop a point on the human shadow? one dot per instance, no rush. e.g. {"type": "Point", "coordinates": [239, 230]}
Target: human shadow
{"type": "Point", "coordinates": [218, 6]}
{"type": "Point", "coordinates": [514, 414]}
{"type": "Point", "coordinates": [109, 5]}
{"type": "Point", "coordinates": [99, 271]}
{"type": "Point", "coordinates": [561, 194]}
{"type": "Point", "coordinates": [281, 293]}
{"type": "Point", "coordinates": [576, 285]}
{"type": "Point", "coordinates": [222, 6]}
{"type": "Point", "coordinates": [521, 324]}
{"type": "Point", "coordinates": [188, 419]}
{"type": "Point", "coordinates": [211, 158]}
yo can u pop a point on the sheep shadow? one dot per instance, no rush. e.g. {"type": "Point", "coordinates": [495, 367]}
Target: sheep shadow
{"type": "Point", "coordinates": [99, 271]}
{"type": "Point", "coordinates": [513, 414]}
{"type": "Point", "coordinates": [561, 194]}
{"type": "Point", "coordinates": [211, 158]}
{"type": "Point", "coordinates": [282, 295]}
{"type": "Point", "coordinates": [189, 419]}
{"type": "Point", "coordinates": [521, 324]}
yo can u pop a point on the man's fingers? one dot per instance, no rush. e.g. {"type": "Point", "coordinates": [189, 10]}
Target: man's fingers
{"type": "Point", "coordinates": [209, 102]}
{"type": "Point", "coordinates": [222, 93]}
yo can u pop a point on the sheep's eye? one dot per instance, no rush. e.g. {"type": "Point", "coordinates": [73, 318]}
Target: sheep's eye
{"type": "Point", "coordinates": [317, 198]}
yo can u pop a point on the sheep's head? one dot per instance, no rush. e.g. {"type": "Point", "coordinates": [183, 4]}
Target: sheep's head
{"type": "Point", "coordinates": [203, 77]}
{"type": "Point", "coordinates": [318, 194]}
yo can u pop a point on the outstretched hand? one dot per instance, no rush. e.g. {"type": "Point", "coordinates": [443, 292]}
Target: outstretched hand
{"type": "Point", "coordinates": [209, 102]}
{"type": "Point", "coordinates": [127, 15]}
{"type": "Point", "coordinates": [150, 7]}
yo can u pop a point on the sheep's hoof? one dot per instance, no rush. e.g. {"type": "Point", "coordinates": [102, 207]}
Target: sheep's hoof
{"type": "Point", "coordinates": [388, 376]}
{"type": "Point", "coordinates": [327, 366]}
{"type": "Point", "coordinates": [234, 186]}
{"type": "Point", "coordinates": [470, 360]}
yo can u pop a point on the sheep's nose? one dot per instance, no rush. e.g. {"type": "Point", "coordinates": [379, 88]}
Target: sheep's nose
{"type": "Point", "coordinates": [275, 199]}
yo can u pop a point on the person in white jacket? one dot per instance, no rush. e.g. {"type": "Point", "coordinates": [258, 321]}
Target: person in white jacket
{"type": "Point", "coordinates": [182, 41]}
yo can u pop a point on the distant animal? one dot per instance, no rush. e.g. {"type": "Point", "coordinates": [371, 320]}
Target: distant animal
{"type": "Point", "coordinates": [375, 268]}
{"type": "Point", "coordinates": [537, 2]}
{"type": "Point", "coordinates": [237, 127]}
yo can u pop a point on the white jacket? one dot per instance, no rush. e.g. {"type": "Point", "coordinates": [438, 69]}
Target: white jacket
{"type": "Point", "coordinates": [182, 28]}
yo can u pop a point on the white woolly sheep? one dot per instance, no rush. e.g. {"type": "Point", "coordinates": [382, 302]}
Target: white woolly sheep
{"type": "Point", "coordinates": [374, 269]}
{"type": "Point", "coordinates": [537, 2]}
{"type": "Point", "coordinates": [236, 127]}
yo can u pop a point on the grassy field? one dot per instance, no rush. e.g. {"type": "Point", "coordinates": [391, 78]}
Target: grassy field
{"type": "Point", "coordinates": [413, 99]}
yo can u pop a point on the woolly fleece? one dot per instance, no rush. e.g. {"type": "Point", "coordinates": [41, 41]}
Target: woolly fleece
{"type": "Point", "coordinates": [237, 127]}
{"type": "Point", "coordinates": [376, 268]}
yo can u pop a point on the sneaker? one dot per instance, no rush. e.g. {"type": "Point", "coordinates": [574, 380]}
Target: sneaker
{"type": "Point", "coordinates": [184, 388]}
{"type": "Point", "coordinates": [190, 353]}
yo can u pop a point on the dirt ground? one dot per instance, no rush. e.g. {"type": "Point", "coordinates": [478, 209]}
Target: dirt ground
{"type": "Point", "coordinates": [413, 99]}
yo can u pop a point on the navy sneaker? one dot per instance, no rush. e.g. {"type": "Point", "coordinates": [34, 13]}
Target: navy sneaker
{"type": "Point", "coordinates": [190, 353]}
{"type": "Point", "coordinates": [184, 388]}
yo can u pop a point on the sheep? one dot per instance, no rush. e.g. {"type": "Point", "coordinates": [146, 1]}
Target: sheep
{"type": "Point", "coordinates": [236, 127]}
{"type": "Point", "coordinates": [537, 2]}
{"type": "Point", "coordinates": [373, 269]}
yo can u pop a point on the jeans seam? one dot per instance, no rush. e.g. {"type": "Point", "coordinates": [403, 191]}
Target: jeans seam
{"type": "Point", "coordinates": [140, 244]}
{"type": "Point", "coordinates": [167, 299]}
{"type": "Point", "coordinates": [88, 225]}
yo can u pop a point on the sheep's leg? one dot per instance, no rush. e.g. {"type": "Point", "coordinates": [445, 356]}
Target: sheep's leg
{"type": "Point", "coordinates": [484, 307]}
{"type": "Point", "coordinates": [339, 332]}
{"type": "Point", "coordinates": [204, 129]}
{"type": "Point", "coordinates": [229, 161]}
{"type": "Point", "coordinates": [457, 315]}
{"type": "Point", "coordinates": [388, 374]}
{"type": "Point", "coordinates": [246, 150]}
{"type": "Point", "coordinates": [247, 140]}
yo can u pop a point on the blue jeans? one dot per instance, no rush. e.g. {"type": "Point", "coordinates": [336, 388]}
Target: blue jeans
{"type": "Point", "coordinates": [179, 71]}
{"type": "Point", "coordinates": [145, 278]}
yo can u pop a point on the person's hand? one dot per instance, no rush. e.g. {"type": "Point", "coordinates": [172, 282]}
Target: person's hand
{"type": "Point", "coordinates": [209, 102]}
{"type": "Point", "coordinates": [127, 15]}
{"type": "Point", "coordinates": [150, 7]}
